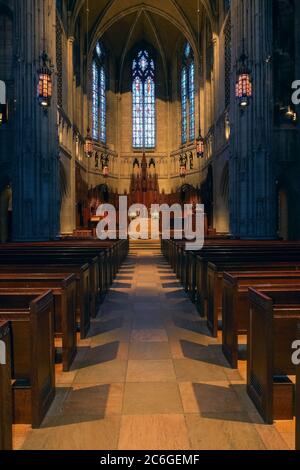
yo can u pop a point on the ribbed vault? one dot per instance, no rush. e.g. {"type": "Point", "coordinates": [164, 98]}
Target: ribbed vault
{"type": "Point", "coordinates": [178, 14]}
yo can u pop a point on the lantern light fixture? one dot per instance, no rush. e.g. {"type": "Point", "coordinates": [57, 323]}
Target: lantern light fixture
{"type": "Point", "coordinates": [291, 114]}
{"type": "Point", "coordinates": [89, 144]}
{"type": "Point", "coordinates": [44, 87]}
{"type": "Point", "coordinates": [243, 89]}
{"type": "Point", "coordinates": [200, 146]}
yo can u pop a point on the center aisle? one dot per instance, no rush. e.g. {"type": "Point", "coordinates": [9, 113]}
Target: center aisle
{"type": "Point", "coordinates": [150, 377]}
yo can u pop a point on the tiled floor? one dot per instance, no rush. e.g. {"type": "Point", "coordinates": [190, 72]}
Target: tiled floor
{"type": "Point", "coordinates": [150, 377]}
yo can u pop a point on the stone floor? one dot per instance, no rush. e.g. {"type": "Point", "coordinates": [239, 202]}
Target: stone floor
{"type": "Point", "coordinates": [150, 377]}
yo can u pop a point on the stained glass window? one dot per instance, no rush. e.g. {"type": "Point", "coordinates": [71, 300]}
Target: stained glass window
{"type": "Point", "coordinates": [188, 95]}
{"type": "Point", "coordinates": [143, 101]}
{"type": "Point", "coordinates": [95, 107]}
{"type": "Point", "coordinates": [98, 50]}
{"type": "Point", "coordinates": [102, 105]}
{"type": "Point", "coordinates": [184, 83]}
{"type": "Point", "coordinates": [192, 99]}
{"type": "Point", "coordinates": [187, 50]}
{"type": "Point", "coordinates": [99, 95]}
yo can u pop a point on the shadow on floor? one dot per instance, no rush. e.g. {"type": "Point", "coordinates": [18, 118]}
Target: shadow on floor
{"type": "Point", "coordinates": [80, 406]}
{"type": "Point", "coordinates": [207, 354]}
{"type": "Point", "coordinates": [106, 326]}
{"type": "Point", "coordinates": [178, 294]}
{"type": "Point", "coordinates": [121, 278]}
{"type": "Point", "coordinates": [99, 355]}
{"type": "Point", "coordinates": [191, 325]}
{"type": "Point", "coordinates": [120, 285]}
{"type": "Point", "coordinates": [170, 285]}
{"type": "Point", "coordinates": [223, 403]}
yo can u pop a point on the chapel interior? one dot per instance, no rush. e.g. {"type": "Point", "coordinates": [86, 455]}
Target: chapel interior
{"type": "Point", "coordinates": [123, 344]}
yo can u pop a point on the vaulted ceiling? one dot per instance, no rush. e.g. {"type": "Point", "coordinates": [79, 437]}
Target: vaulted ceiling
{"type": "Point", "coordinates": [122, 23]}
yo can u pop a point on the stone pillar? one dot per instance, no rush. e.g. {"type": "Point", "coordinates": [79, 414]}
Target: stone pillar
{"type": "Point", "coordinates": [252, 182]}
{"type": "Point", "coordinates": [36, 204]}
{"type": "Point", "coordinates": [68, 209]}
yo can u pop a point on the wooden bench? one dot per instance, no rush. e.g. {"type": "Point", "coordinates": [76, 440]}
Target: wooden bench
{"type": "Point", "coordinates": [59, 259]}
{"type": "Point", "coordinates": [274, 316]}
{"type": "Point", "coordinates": [109, 254]}
{"type": "Point", "coordinates": [251, 252]}
{"type": "Point", "coordinates": [238, 263]}
{"type": "Point", "coordinates": [82, 273]}
{"type": "Point", "coordinates": [116, 251]}
{"type": "Point", "coordinates": [5, 388]}
{"type": "Point", "coordinates": [33, 364]}
{"type": "Point", "coordinates": [235, 306]}
{"type": "Point", "coordinates": [191, 266]}
{"type": "Point", "coordinates": [63, 288]}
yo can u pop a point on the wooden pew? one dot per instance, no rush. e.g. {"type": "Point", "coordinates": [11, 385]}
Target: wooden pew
{"type": "Point", "coordinates": [59, 259]}
{"type": "Point", "coordinates": [5, 388]}
{"type": "Point", "coordinates": [95, 257]}
{"type": "Point", "coordinates": [235, 306]}
{"type": "Point", "coordinates": [113, 252]}
{"type": "Point", "coordinates": [82, 273]}
{"type": "Point", "coordinates": [215, 280]}
{"type": "Point", "coordinates": [33, 364]}
{"type": "Point", "coordinates": [297, 401]}
{"type": "Point", "coordinates": [63, 288]}
{"type": "Point", "coordinates": [187, 264]}
{"type": "Point", "coordinates": [110, 255]}
{"type": "Point", "coordinates": [229, 253]}
{"type": "Point", "coordinates": [274, 315]}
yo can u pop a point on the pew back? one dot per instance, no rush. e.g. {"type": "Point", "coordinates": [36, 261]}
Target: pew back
{"type": "Point", "coordinates": [235, 304]}
{"type": "Point", "coordinates": [31, 316]}
{"type": "Point", "coordinates": [274, 315]}
{"type": "Point", "coordinates": [5, 388]}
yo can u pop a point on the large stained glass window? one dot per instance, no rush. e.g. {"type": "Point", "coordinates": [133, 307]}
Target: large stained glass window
{"type": "Point", "coordinates": [143, 101]}
{"type": "Point", "coordinates": [192, 99]}
{"type": "Point", "coordinates": [95, 106]}
{"type": "Point", "coordinates": [188, 95]}
{"type": "Point", "coordinates": [99, 95]}
{"type": "Point", "coordinates": [184, 100]}
{"type": "Point", "coordinates": [102, 88]}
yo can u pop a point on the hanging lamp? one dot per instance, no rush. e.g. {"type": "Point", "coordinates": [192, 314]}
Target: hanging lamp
{"type": "Point", "coordinates": [89, 143]}
{"type": "Point", "coordinates": [44, 86]}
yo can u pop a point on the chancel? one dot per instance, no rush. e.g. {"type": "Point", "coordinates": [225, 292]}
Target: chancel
{"type": "Point", "coordinates": [114, 115]}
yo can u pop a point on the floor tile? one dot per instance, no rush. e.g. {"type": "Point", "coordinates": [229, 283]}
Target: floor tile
{"type": "Point", "coordinates": [157, 432]}
{"type": "Point", "coordinates": [150, 371]}
{"type": "Point", "coordinates": [152, 398]}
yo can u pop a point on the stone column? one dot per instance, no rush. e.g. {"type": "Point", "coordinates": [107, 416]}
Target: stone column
{"type": "Point", "coordinates": [36, 205]}
{"type": "Point", "coordinates": [68, 210]}
{"type": "Point", "coordinates": [252, 182]}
